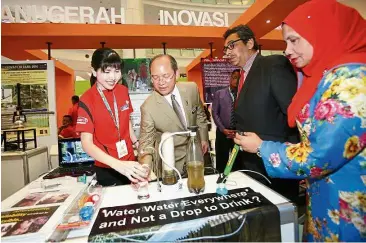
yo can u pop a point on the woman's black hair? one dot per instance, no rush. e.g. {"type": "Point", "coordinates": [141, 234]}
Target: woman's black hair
{"type": "Point", "coordinates": [103, 58]}
{"type": "Point", "coordinates": [93, 80]}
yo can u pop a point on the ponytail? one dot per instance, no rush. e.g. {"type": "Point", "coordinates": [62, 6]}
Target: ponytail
{"type": "Point", "coordinates": [93, 80]}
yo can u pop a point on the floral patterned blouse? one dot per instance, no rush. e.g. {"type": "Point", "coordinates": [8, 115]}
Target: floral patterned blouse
{"type": "Point", "coordinates": [331, 156]}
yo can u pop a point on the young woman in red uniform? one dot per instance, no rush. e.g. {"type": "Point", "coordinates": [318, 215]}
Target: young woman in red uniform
{"type": "Point", "coordinates": [104, 123]}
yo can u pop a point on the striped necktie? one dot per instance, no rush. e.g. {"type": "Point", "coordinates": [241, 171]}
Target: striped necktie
{"type": "Point", "coordinates": [241, 82]}
{"type": "Point", "coordinates": [178, 110]}
{"type": "Point", "coordinates": [232, 114]}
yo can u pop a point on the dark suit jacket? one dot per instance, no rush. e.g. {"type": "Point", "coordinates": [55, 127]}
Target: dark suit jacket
{"type": "Point", "coordinates": [221, 108]}
{"type": "Point", "coordinates": [262, 104]}
{"type": "Point", "coordinates": [263, 101]}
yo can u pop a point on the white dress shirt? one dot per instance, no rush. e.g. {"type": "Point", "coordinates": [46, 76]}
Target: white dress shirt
{"type": "Point", "coordinates": [178, 98]}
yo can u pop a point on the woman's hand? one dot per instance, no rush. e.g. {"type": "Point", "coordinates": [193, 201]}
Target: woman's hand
{"type": "Point", "coordinates": [250, 142]}
{"type": "Point", "coordinates": [133, 170]}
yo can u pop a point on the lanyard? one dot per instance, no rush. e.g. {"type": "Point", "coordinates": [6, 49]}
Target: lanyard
{"type": "Point", "coordinates": [114, 116]}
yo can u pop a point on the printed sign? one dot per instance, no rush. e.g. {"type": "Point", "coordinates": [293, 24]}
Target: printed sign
{"type": "Point", "coordinates": [215, 76]}
{"type": "Point", "coordinates": [186, 17]}
{"type": "Point", "coordinates": [144, 217]}
{"type": "Point", "coordinates": [32, 78]}
{"type": "Point", "coordinates": [58, 14]}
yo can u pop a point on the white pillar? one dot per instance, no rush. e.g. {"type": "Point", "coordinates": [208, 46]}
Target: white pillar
{"type": "Point", "coordinates": [134, 14]}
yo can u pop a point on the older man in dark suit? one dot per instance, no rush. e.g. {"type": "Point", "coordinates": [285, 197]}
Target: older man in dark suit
{"type": "Point", "coordinates": [223, 116]}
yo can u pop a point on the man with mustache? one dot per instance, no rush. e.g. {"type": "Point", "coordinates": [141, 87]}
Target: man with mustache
{"type": "Point", "coordinates": [265, 90]}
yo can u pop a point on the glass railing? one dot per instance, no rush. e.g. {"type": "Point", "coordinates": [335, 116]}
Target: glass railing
{"type": "Point", "coordinates": [192, 53]}
{"type": "Point", "coordinates": [187, 52]}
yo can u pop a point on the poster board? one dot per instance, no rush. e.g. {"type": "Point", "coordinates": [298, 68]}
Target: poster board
{"type": "Point", "coordinates": [37, 79]}
{"type": "Point", "coordinates": [215, 76]}
{"type": "Point", "coordinates": [25, 224]}
{"type": "Point", "coordinates": [136, 75]}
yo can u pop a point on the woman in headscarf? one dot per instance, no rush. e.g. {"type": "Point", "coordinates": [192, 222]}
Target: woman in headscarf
{"type": "Point", "coordinates": [327, 42]}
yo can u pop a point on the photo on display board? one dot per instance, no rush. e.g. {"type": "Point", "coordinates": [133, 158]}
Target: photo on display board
{"type": "Point", "coordinates": [54, 198]}
{"type": "Point", "coordinates": [33, 81]}
{"type": "Point", "coordinates": [42, 198]}
{"type": "Point", "coordinates": [30, 200]}
{"type": "Point", "coordinates": [136, 75]}
{"type": "Point", "coordinates": [8, 97]}
{"type": "Point", "coordinates": [5, 228]}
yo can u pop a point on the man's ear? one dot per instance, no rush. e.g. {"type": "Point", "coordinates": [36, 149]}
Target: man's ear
{"type": "Point", "coordinates": [177, 74]}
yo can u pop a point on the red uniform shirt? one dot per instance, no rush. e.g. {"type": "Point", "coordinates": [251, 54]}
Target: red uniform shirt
{"type": "Point", "coordinates": [73, 112]}
{"type": "Point", "coordinates": [93, 117]}
{"type": "Point", "coordinates": [68, 132]}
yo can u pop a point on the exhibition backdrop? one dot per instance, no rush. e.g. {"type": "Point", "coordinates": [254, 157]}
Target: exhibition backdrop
{"type": "Point", "coordinates": [215, 76]}
{"type": "Point", "coordinates": [37, 80]}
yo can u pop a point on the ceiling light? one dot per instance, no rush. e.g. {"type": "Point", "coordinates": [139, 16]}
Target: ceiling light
{"type": "Point", "coordinates": [268, 21]}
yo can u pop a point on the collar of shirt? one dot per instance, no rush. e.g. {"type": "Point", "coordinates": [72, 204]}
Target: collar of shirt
{"type": "Point", "coordinates": [177, 96]}
{"type": "Point", "coordinates": [249, 63]}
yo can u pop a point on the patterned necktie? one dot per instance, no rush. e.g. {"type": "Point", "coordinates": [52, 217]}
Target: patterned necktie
{"type": "Point", "coordinates": [232, 114]}
{"type": "Point", "coordinates": [241, 81]}
{"type": "Point", "coordinates": [177, 109]}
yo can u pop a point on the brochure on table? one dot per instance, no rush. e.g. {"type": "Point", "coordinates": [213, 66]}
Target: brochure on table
{"type": "Point", "coordinates": [33, 213]}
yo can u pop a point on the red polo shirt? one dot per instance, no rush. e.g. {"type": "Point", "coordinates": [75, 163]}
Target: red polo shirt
{"type": "Point", "coordinates": [68, 132]}
{"type": "Point", "coordinates": [93, 117]}
{"type": "Point", "coordinates": [73, 112]}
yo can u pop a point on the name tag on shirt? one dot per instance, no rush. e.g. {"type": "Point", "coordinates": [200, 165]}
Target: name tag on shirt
{"type": "Point", "coordinates": [121, 148]}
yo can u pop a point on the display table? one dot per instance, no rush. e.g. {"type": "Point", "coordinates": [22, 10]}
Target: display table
{"type": "Point", "coordinates": [18, 168]}
{"type": "Point", "coordinates": [54, 156]}
{"type": "Point", "coordinates": [124, 195]}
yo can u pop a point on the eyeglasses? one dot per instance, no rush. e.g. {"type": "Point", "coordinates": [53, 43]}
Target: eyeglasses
{"type": "Point", "coordinates": [230, 45]}
{"type": "Point", "coordinates": [166, 77]}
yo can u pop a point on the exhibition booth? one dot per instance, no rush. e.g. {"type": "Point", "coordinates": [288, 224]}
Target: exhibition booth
{"type": "Point", "coordinates": [39, 206]}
